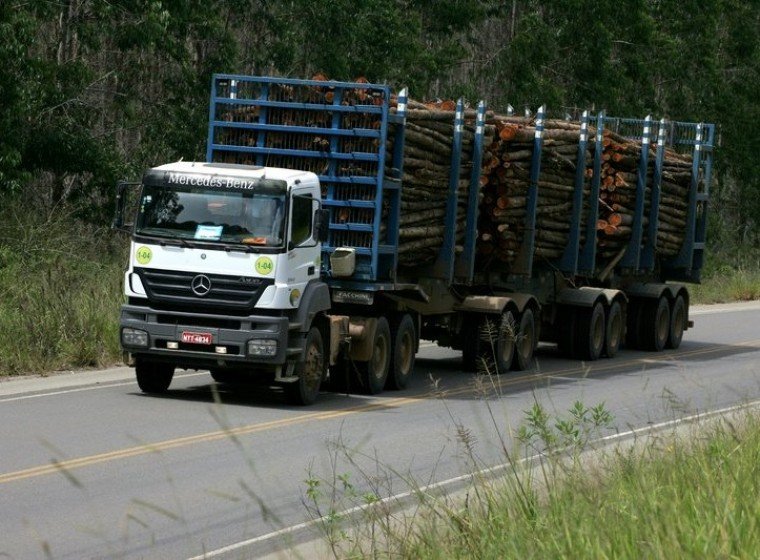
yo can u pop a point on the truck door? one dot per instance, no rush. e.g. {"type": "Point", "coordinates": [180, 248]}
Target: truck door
{"type": "Point", "coordinates": [303, 246]}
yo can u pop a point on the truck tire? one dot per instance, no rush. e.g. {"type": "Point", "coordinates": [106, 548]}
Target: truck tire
{"type": "Point", "coordinates": [310, 371]}
{"type": "Point", "coordinates": [404, 348]}
{"type": "Point", "coordinates": [525, 342]}
{"type": "Point", "coordinates": [634, 324]}
{"type": "Point", "coordinates": [506, 343]}
{"type": "Point", "coordinates": [567, 323]}
{"type": "Point", "coordinates": [613, 330]}
{"type": "Point", "coordinates": [590, 334]}
{"type": "Point", "coordinates": [153, 377]}
{"type": "Point", "coordinates": [475, 350]}
{"type": "Point", "coordinates": [374, 373]}
{"type": "Point", "coordinates": [677, 322]}
{"type": "Point", "coordinates": [654, 329]}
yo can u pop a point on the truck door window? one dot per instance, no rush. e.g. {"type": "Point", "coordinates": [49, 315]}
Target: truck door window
{"type": "Point", "coordinates": [302, 219]}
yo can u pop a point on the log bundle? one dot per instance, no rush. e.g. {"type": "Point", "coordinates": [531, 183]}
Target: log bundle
{"type": "Point", "coordinates": [426, 179]}
{"type": "Point", "coordinates": [505, 193]}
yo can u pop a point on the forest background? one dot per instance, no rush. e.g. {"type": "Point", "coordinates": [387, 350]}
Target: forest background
{"type": "Point", "coordinates": [94, 91]}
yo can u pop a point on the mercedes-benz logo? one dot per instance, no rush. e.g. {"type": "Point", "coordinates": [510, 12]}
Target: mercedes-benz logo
{"type": "Point", "coordinates": [201, 285]}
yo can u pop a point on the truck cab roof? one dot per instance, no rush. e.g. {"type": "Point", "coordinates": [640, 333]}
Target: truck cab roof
{"type": "Point", "coordinates": [291, 176]}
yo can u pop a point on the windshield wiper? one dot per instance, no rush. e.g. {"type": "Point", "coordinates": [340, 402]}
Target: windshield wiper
{"type": "Point", "coordinates": [164, 240]}
{"type": "Point", "coordinates": [175, 242]}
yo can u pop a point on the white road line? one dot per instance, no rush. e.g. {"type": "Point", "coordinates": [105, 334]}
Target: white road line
{"type": "Point", "coordinates": [105, 385]}
{"type": "Point", "coordinates": [465, 477]}
{"type": "Point", "coordinates": [719, 309]}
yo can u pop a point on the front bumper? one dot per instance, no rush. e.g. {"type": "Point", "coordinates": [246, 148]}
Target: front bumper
{"type": "Point", "coordinates": [230, 333]}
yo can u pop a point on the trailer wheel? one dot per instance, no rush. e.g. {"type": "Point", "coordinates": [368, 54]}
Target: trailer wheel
{"type": "Point", "coordinates": [525, 342]}
{"type": "Point", "coordinates": [153, 377]}
{"type": "Point", "coordinates": [310, 371]}
{"type": "Point", "coordinates": [404, 349]}
{"type": "Point", "coordinates": [374, 373]}
{"type": "Point", "coordinates": [506, 342]}
{"type": "Point", "coordinates": [567, 324]}
{"type": "Point", "coordinates": [655, 324]}
{"type": "Point", "coordinates": [634, 323]}
{"type": "Point", "coordinates": [473, 345]}
{"type": "Point", "coordinates": [590, 334]}
{"type": "Point", "coordinates": [677, 322]}
{"type": "Point", "coordinates": [614, 330]}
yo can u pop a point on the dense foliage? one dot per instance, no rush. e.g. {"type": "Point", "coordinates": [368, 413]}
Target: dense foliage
{"type": "Point", "coordinates": [96, 90]}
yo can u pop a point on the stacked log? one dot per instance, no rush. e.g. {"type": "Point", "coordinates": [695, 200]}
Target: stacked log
{"type": "Point", "coordinates": [507, 181]}
{"type": "Point", "coordinates": [620, 174]}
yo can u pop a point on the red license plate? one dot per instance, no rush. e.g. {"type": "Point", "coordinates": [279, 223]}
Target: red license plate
{"type": "Point", "coordinates": [196, 337]}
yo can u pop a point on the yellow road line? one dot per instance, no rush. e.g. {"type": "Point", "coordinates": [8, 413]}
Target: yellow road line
{"type": "Point", "coordinates": [385, 403]}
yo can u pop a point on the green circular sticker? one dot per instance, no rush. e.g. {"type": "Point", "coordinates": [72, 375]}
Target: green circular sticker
{"type": "Point", "coordinates": [264, 266]}
{"type": "Point", "coordinates": [143, 255]}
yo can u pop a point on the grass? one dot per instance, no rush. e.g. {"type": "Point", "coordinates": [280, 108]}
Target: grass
{"type": "Point", "coordinates": [731, 273]}
{"type": "Point", "coordinates": [692, 496]}
{"type": "Point", "coordinates": [730, 284]}
{"type": "Point", "coordinates": [59, 292]}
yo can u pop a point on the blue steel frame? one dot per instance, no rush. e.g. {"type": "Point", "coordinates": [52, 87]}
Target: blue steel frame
{"type": "Point", "coordinates": [376, 262]}
{"type": "Point", "coordinates": [587, 263]}
{"type": "Point", "coordinates": [523, 265]}
{"type": "Point", "coordinates": [465, 263]}
{"type": "Point", "coordinates": [444, 264]}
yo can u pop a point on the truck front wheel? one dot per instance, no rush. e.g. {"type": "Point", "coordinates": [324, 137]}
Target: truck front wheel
{"type": "Point", "coordinates": [153, 377]}
{"type": "Point", "coordinates": [374, 373]}
{"type": "Point", "coordinates": [310, 371]}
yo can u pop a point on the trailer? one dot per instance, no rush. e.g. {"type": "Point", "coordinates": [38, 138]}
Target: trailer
{"type": "Point", "coordinates": [277, 259]}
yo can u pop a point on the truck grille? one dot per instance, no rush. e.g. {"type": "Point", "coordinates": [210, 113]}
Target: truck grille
{"type": "Point", "coordinates": [174, 289]}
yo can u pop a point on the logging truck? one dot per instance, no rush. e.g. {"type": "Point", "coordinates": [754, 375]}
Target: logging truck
{"type": "Point", "coordinates": [334, 225]}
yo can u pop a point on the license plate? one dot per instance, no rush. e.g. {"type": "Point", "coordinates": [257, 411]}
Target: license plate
{"type": "Point", "coordinates": [190, 337]}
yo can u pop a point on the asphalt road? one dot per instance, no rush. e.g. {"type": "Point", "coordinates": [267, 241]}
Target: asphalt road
{"type": "Point", "coordinates": [92, 468]}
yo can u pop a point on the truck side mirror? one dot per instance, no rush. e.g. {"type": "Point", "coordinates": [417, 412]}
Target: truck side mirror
{"type": "Point", "coordinates": [121, 203]}
{"type": "Point", "coordinates": [322, 225]}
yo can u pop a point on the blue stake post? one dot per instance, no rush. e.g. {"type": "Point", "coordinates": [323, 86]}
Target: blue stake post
{"type": "Point", "coordinates": [466, 262]}
{"type": "Point", "coordinates": [633, 252]}
{"type": "Point", "coordinates": [569, 260]}
{"type": "Point", "coordinates": [685, 257]}
{"type": "Point", "coordinates": [524, 261]}
{"type": "Point", "coordinates": [587, 262]}
{"type": "Point", "coordinates": [444, 265]}
{"type": "Point", "coordinates": [392, 182]}
{"type": "Point", "coordinates": [650, 249]}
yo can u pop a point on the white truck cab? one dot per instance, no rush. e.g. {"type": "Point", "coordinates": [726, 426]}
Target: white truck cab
{"type": "Point", "coordinates": [224, 270]}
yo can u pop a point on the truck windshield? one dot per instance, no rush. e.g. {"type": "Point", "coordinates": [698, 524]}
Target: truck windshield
{"type": "Point", "coordinates": [197, 213]}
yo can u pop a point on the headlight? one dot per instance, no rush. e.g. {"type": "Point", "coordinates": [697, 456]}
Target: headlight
{"type": "Point", "coordinates": [262, 347]}
{"type": "Point", "coordinates": [134, 337]}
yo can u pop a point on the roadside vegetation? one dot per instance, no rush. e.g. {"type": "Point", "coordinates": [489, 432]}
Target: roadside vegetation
{"type": "Point", "coordinates": [691, 494]}
{"type": "Point", "coordinates": [59, 291]}
{"type": "Point", "coordinates": [729, 275]}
